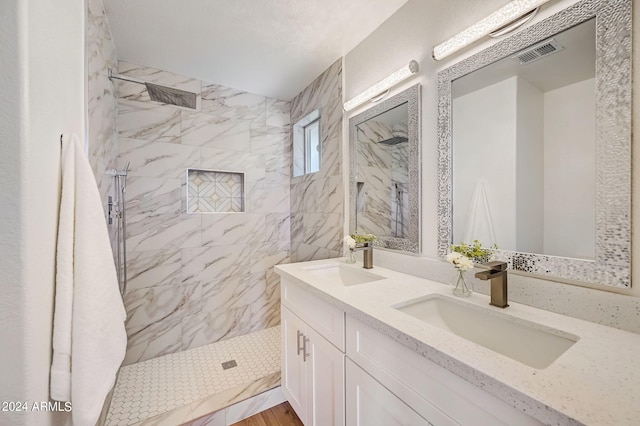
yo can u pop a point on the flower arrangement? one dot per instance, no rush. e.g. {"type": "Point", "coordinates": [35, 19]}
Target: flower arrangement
{"type": "Point", "coordinates": [352, 242]}
{"type": "Point", "coordinates": [474, 251]}
{"type": "Point", "coordinates": [363, 238]}
{"type": "Point", "coordinates": [462, 264]}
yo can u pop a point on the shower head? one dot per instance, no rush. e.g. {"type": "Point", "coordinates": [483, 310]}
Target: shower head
{"type": "Point", "coordinates": [398, 135]}
{"type": "Point", "coordinates": [169, 95]}
{"type": "Point", "coordinates": [394, 140]}
{"type": "Point", "coordinates": [162, 94]}
{"type": "Point", "coordinates": [124, 177]}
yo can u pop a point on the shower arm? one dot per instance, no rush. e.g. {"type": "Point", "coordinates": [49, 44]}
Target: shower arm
{"type": "Point", "coordinates": [124, 78]}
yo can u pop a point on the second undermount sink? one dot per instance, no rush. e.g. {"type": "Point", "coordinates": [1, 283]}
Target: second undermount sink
{"type": "Point", "coordinates": [341, 274]}
{"type": "Point", "coordinates": [529, 343]}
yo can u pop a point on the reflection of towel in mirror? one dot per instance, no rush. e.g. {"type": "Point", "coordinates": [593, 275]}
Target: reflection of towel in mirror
{"type": "Point", "coordinates": [479, 220]}
{"type": "Point", "coordinates": [89, 337]}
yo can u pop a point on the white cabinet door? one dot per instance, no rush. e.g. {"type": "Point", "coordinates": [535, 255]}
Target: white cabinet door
{"type": "Point", "coordinates": [312, 373]}
{"type": "Point", "coordinates": [370, 403]}
{"type": "Point", "coordinates": [325, 381]}
{"type": "Point", "coordinates": [294, 375]}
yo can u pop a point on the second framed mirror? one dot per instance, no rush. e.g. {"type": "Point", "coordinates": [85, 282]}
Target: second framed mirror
{"type": "Point", "coordinates": [384, 180]}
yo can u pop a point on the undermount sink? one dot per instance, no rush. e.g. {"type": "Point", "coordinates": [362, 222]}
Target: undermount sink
{"type": "Point", "coordinates": [341, 274]}
{"type": "Point", "coordinates": [529, 343]}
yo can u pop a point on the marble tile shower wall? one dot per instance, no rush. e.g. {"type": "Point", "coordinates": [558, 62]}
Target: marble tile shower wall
{"type": "Point", "coordinates": [195, 279]}
{"type": "Point", "coordinates": [102, 102]}
{"type": "Point", "coordinates": [317, 210]}
{"type": "Point", "coordinates": [380, 168]}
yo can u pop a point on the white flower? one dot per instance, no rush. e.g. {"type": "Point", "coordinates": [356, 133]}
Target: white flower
{"type": "Point", "coordinates": [349, 241]}
{"type": "Point", "coordinates": [459, 261]}
{"type": "Point", "coordinates": [453, 257]}
{"type": "Point", "coordinates": [464, 263]}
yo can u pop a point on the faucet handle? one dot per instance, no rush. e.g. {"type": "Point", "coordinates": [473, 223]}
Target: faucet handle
{"type": "Point", "coordinates": [496, 265]}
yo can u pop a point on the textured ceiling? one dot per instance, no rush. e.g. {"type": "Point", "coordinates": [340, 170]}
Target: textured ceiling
{"type": "Point", "coordinates": [270, 47]}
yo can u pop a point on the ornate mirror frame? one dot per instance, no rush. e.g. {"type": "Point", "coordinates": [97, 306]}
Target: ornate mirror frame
{"type": "Point", "coordinates": [411, 96]}
{"type": "Point", "coordinates": [612, 264]}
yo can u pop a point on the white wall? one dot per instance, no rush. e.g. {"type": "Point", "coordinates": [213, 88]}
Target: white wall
{"type": "Point", "coordinates": [11, 315]}
{"type": "Point", "coordinates": [42, 87]}
{"type": "Point", "coordinates": [542, 195]}
{"type": "Point", "coordinates": [529, 169]}
{"type": "Point", "coordinates": [484, 128]}
{"type": "Point", "coordinates": [570, 170]}
{"type": "Point", "coordinates": [411, 33]}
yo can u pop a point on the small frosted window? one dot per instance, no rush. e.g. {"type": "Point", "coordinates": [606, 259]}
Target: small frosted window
{"type": "Point", "coordinates": [312, 147]}
{"type": "Point", "coordinates": [307, 149]}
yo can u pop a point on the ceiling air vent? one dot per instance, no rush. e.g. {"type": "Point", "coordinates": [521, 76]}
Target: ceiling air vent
{"type": "Point", "coordinates": [536, 52]}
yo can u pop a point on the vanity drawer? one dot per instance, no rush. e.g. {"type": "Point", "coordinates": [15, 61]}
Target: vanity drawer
{"type": "Point", "coordinates": [324, 318]}
{"type": "Point", "coordinates": [433, 392]}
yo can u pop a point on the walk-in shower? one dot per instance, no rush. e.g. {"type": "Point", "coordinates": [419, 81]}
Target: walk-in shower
{"type": "Point", "coordinates": [117, 209]}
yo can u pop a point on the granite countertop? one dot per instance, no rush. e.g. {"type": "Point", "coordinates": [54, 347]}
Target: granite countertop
{"type": "Point", "coordinates": [595, 382]}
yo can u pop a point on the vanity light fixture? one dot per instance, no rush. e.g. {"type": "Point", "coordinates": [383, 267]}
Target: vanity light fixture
{"type": "Point", "coordinates": [506, 19]}
{"type": "Point", "coordinates": [381, 88]}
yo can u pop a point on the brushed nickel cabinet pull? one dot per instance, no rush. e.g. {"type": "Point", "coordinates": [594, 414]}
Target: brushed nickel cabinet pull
{"type": "Point", "coordinates": [304, 349]}
{"type": "Point", "coordinates": [300, 348]}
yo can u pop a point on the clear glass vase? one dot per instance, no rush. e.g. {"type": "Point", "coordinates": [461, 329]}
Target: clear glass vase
{"type": "Point", "coordinates": [461, 288]}
{"type": "Point", "coordinates": [350, 257]}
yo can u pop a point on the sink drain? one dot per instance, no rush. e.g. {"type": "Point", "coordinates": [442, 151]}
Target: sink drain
{"type": "Point", "coordinates": [229, 364]}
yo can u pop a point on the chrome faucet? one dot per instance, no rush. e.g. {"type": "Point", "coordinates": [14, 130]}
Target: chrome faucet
{"type": "Point", "coordinates": [497, 273]}
{"type": "Point", "coordinates": [367, 256]}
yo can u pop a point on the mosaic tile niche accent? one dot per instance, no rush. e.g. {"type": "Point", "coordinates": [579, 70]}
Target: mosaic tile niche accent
{"type": "Point", "coordinates": [213, 191]}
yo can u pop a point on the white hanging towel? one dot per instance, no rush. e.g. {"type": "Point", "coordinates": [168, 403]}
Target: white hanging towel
{"type": "Point", "coordinates": [89, 337]}
{"type": "Point", "coordinates": [479, 220]}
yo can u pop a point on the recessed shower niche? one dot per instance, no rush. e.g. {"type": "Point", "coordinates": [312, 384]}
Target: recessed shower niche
{"type": "Point", "coordinates": [215, 191]}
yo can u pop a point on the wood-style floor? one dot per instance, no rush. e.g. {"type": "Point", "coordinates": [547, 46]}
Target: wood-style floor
{"type": "Point", "coordinates": [280, 415]}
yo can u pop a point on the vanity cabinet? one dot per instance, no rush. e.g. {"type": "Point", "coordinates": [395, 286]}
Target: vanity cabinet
{"type": "Point", "coordinates": [312, 365]}
{"type": "Point", "coordinates": [379, 382]}
{"type": "Point", "coordinates": [435, 394]}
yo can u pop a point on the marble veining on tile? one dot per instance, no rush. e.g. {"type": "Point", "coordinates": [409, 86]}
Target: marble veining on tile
{"type": "Point", "coordinates": [270, 198]}
{"type": "Point", "coordinates": [270, 140]}
{"type": "Point", "coordinates": [158, 159]}
{"type": "Point", "coordinates": [155, 388]}
{"type": "Point", "coordinates": [227, 228]}
{"type": "Point", "coordinates": [102, 106]}
{"type": "Point", "coordinates": [139, 120]}
{"type": "Point", "coordinates": [148, 196]}
{"type": "Point", "coordinates": [211, 131]}
{"type": "Point", "coordinates": [277, 227]}
{"type": "Point", "coordinates": [153, 268]}
{"type": "Point", "coordinates": [216, 326]}
{"type": "Point", "coordinates": [204, 264]}
{"type": "Point", "coordinates": [166, 231]}
{"type": "Point", "coordinates": [316, 199]}
{"type": "Point", "coordinates": [255, 405]}
{"type": "Point", "coordinates": [231, 103]}
{"type": "Point", "coordinates": [278, 113]}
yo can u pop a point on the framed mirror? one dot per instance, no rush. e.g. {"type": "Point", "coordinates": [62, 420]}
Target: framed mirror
{"type": "Point", "coordinates": [384, 180]}
{"type": "Point", "coordinates": [534, 147]}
